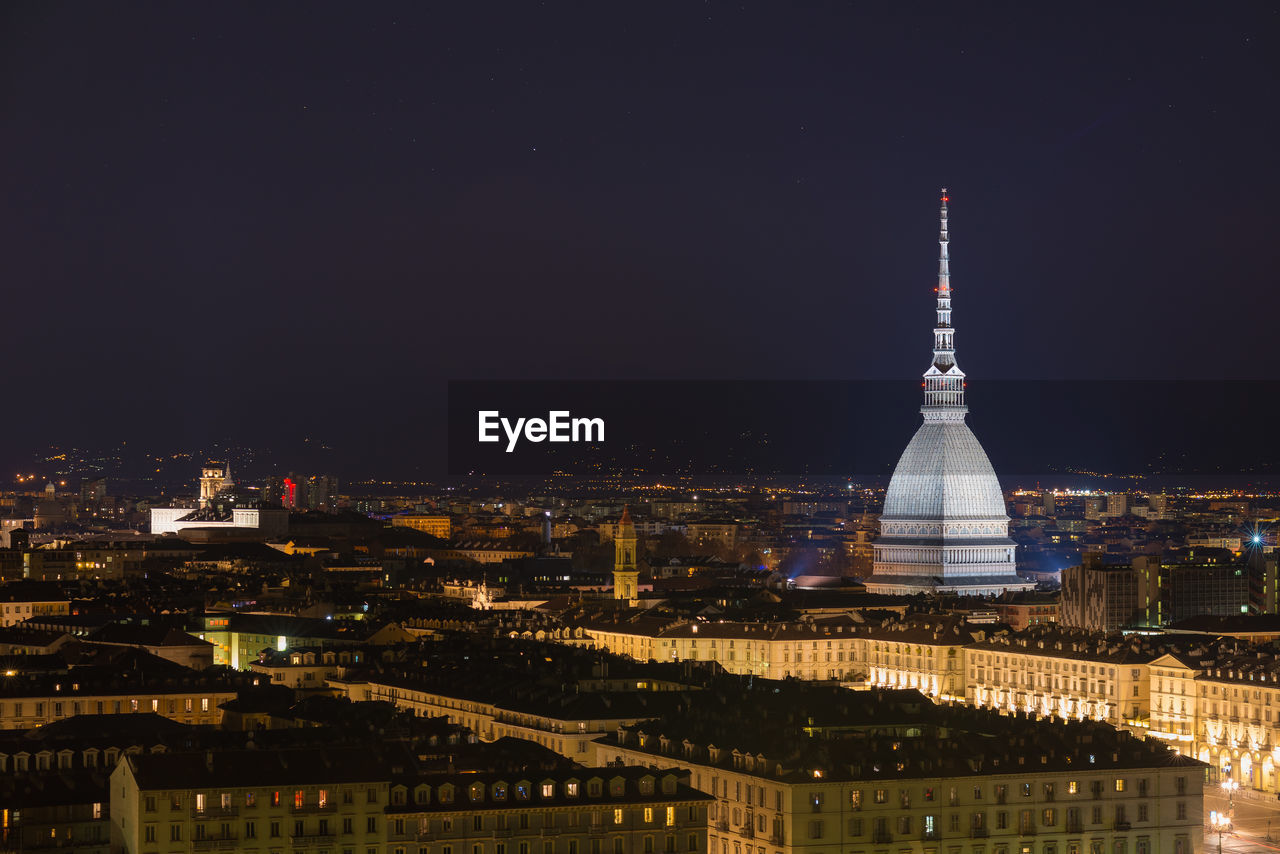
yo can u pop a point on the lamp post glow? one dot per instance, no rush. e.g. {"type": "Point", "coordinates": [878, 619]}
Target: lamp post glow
{"type": "Point", "coordinates": [1221, 823]}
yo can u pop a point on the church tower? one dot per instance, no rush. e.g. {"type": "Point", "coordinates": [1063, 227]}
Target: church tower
{"type": "Point", "coordinates": [215, 478]}
{"type": "Point", "coordinates": [626, 575]}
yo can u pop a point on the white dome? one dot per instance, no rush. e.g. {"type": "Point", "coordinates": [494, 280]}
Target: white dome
{"type": "Point", "coordinates": [944, 474]}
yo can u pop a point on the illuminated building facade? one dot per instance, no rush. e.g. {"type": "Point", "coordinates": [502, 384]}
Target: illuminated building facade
{"type": "Point", "coordinates": [436, 526]}
{"type": "Point", "coordinates": [215, 478]}
{"type": "Point", "coordinates": [1056, 674]}
{"type": "Point", "coordinates": [944, 528]}
{"type": "Point", "coordinates": [1224, 709]}
{"type": "Point", "coordinates": [929, 782]}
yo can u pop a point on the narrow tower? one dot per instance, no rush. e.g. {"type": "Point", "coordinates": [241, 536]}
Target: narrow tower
{"type": "Point", "coordinates": [215, 478]}
{"type": "Point", "coordinates": [944, 528]}
{"type": "Point", "coordinates": [944, 381]}
{"type": "Point", "coordinates": [626, 575]}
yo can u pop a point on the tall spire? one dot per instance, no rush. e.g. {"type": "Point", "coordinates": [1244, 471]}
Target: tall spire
{"type": "Point", "coordinates": [944, 381]}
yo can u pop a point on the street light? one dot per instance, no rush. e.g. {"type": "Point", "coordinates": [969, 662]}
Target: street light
{"type": "Point", "coordinates": [1229, 786]}
{"type": "Point", "coordinates": [1221, 823]}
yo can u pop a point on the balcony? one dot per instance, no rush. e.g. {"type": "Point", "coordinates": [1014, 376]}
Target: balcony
{"type": "Point", "coordinates": [1075, 827]}
{"type": "Point", "coordinates": [881, 837]}
{"type": "Point", "coordinates": [978, 833]}
{"type": "Point", "coordinates": [930, 836]}
{"type": "Point", "coordinates": [308, 809]}
{"type": "Point", "coordinates": [222, 844]}
{"type": "Point", "coordinates": [215, 812]}
{"type": "Point", "coordinates": [723, 825]}
{"type": "Point", "coordinates": [1122, 825]}
{"type": "Point", "coordinates": [311, 839]}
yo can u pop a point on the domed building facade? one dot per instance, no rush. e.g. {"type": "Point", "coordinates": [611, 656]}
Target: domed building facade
{"type": "Point", "coordinates": [944, 528]}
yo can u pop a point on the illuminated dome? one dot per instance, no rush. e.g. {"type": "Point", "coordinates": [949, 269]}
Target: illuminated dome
{"type": "Point", "coordinates": [943, 528]}
{"type": "Point", "coordinates": [944, 474]}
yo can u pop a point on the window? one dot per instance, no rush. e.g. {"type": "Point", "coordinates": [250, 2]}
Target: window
{"type": "Point", "coordinates": [1119, 784]}
{"type": "Point", "coordinates": [1181, 811]}
{"type": "Point", "coordinates": [855, 799]}
{"type": "Point", "coordinates": [671, 817]}
{"type": "Point", "coordinates": [175, 833]}
{"type": "Point", "coordinates": [371, 826]}
{"type": "Point", "coordinates": [882, 796]}
{"type": "Point", "coordinates": [548, 790]}
{"type": "Point", "coordinates": [815, 829]}
{"type": "Point", "coordinates": [149, 833]}
{"type": "Point", "coordinates": [815, 801]}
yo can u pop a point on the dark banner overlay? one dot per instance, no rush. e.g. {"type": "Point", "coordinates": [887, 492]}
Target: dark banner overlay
{"type": "Point", "coordinates": [856, 429]}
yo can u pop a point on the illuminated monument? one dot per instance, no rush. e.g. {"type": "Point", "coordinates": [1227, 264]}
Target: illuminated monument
{"type": "Point", "coordinates": [944, 528]}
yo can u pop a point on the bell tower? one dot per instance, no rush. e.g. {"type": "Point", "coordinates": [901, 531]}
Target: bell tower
{"type": "Point", "coordinates": [626, 575]}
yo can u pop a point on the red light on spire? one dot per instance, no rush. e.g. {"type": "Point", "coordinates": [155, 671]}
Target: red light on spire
{"type": "Point", "coordinates": [946, 198]}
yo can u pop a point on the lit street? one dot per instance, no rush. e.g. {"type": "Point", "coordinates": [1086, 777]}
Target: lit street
{"type": "Point", "coordinates": [1254, 819]}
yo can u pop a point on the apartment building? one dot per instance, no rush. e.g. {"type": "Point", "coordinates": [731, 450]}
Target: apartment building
{"type": "Point", "coordinates": [882, 771]}
{"type": "Point", "coordinates": [32, 701]}
{"type": "Point", "coordinates": [614, 810]}
{"type": "Point", "coordinates": [307, 800]}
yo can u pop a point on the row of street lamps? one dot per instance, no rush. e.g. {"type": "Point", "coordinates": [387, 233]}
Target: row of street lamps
{"type": "Point", "coordinates": [1221, 821]}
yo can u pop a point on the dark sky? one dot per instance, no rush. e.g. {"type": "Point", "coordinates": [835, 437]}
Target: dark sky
{"type": "Point", "coordinates": [257, 221]}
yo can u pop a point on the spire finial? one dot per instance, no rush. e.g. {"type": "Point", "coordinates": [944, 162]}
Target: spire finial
{"type": "Point", "coordinates": [944, 381]}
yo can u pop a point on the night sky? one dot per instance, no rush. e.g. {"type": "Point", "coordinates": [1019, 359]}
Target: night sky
{"type": "Point", "coordinates": [267, 221]}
